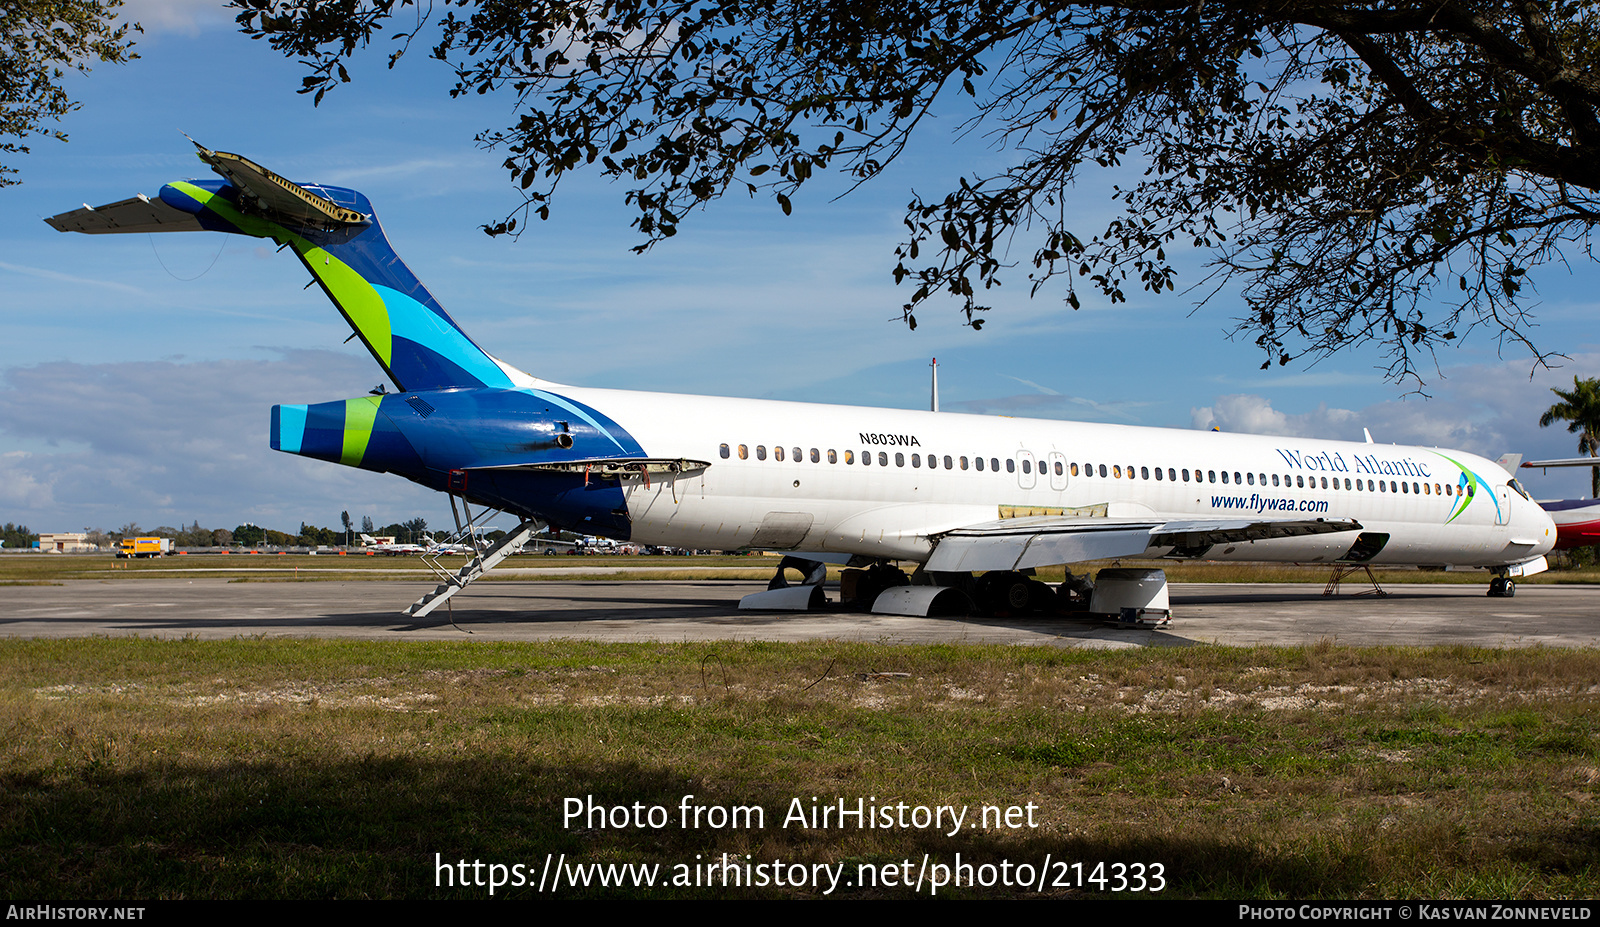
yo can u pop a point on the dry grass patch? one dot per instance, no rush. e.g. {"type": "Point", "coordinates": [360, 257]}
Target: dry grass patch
{"type": "Point", "coordinates": [142, 768]}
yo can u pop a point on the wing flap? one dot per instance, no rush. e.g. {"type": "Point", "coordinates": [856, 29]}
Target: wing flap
{"type": "Point", "coordinates": [1200, 531]}
{"type": "Point", "coordinates": [1021, 543]}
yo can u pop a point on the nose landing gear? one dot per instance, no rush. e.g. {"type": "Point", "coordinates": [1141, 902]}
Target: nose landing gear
{"type": "Point", "coordinates": [1502, 587]}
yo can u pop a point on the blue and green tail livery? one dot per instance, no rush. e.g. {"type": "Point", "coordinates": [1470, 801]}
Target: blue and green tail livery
{"type": "Point", "coordinates": [348, 254]}
{"type": "Point", "coordinates": [458, 409]}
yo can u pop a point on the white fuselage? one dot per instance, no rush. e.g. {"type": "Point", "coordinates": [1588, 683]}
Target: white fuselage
{"type": "Point", "coordinates": [756, 495]}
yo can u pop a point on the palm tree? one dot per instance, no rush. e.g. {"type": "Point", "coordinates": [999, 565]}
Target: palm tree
{"type": "Point", "coordinates": [1581, 407]}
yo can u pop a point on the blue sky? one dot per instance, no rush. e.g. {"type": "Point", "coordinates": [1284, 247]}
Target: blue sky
{"type": "Point", "coordinates": [137, 371]}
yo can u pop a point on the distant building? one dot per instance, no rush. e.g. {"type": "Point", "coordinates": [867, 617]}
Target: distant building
{"type": "Point", "coordinates": [61, 542]}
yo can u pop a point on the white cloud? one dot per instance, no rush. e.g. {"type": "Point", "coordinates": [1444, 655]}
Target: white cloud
{"type": "Point", "coordinates": [1255, 415]}
{"type": "Point", "coordinates": [186, 17]}
{"type": "Point", "coordinates": [161, 443]}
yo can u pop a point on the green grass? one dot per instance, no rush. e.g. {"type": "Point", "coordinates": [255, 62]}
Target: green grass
{"type": "Point", "coordinates": [139, 768]}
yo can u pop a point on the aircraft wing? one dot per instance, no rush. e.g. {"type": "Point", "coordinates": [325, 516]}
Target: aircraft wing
{"type": "Point", "coordinates": [135, 214]}
{"type": "Point", "coordinates": [1020, 543]}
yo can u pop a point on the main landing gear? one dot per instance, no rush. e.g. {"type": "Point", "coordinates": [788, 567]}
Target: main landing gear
{"type": "Point", "coordinates": [1131, 597]}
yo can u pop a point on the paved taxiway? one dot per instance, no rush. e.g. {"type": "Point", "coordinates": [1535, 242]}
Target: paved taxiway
{"type": "Point", "coordinates": [1563, 616]}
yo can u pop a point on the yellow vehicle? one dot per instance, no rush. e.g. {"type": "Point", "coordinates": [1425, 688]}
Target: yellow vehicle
{"type": "Point", "coordinates": [144, 547]}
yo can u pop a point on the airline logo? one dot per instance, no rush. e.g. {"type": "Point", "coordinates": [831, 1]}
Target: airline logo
{"type": "Point", "coordinates": [1365, 464]}
{"type": "Point", "coordinates": [1466, 483]}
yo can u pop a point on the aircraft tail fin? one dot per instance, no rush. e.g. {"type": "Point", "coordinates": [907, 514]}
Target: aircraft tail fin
{"type": "Point", "coordinates": [338, 238]}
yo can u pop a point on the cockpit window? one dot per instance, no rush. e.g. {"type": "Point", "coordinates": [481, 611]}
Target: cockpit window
{"type": "Point", "coordinates": [1520, 491]}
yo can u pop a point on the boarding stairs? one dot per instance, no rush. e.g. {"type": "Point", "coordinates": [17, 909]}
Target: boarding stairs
{"type": "Point", "coordinates": [484, 559]}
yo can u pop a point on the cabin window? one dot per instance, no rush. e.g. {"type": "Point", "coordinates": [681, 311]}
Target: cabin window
{"type": "Point", "coordinates": [744, 452]}
{"type": "Point", "coordinates": [1073, 469]}
{"type": "Point", "coordinates": [797, 455]}
{"type": "Point", "coordinates": [994, 464]}
{"type": "Point", "coordinates": [899, 459]}
{"type": "Point", "coordinates": [1382, 486]}
{"type": "Point", "coordinates": [761, 452]}
{"type": "Point", "coordinates": [1102, 470]}
{"type": "Point", "coordinates": [723, 450]}
{"type": "Point", "coordinates": [950, 464]}
{"type": "Point", "coordinates": [1011, 465]}
{"type": "Point", "coordinates": [1224, 477]}
{"type": "Point", "coordinates": [1186, 476]}
{"type": "Point", "coordinates": [963, 463]}
{"type": "Point", "coordinates": [777, 453]}
{"type": "Point", "coordinates": [815, 456]}
{"type": "Point", "coordinates": [1427, 490]}
{"type": "Point", "coordinates": [1236, 480]}
{"type": "Point", "coordinates": [1027, 466]}
{"type": "Point", "coordinates": [849, 457]}
{"type": "Point", "coordinates": [1116, 472]}
{"type": "Point", "coordinates": [1060, 470]}
{"type": "Point", "coordinates": [1212, 474]}
{"type": "Point", "coordinates": [1449, 490]}
{"type": "Point", "coordinates": [979, 463]}
{"type": "Point", "coordinates": [1250, 478]}
{"type": "Point", "coordinates": [1472, 491]}
{"type": "Point", "coordinates": [1088, 469]}
{"type": "Point", "coordinates": [1300, 481]}
{"type": "Point", "coordinates": [833, 456]}
{"type": "Point", "coordinates": [916, 460]}
{"type": "Point", "coordinates": [1172, 475]}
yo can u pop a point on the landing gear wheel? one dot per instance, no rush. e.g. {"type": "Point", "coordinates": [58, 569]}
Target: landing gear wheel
{"type": "Point", "coordinates": [1502, 587]}
{"type": "Point", "coordinates": [1004, 593]}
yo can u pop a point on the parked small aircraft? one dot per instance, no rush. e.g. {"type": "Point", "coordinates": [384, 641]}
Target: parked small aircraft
{"type": "Point", "coordinates": [958, 494]}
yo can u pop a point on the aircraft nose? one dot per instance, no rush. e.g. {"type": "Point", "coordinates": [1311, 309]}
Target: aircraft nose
{"type": "Point", "coordinates": [1547, 528]}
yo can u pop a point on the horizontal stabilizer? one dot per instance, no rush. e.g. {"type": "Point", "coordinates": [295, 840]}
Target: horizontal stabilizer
{"type": "Point", "coordinates": [281, 200]}
{"type": "Point", "coordinates": [135, 214]}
